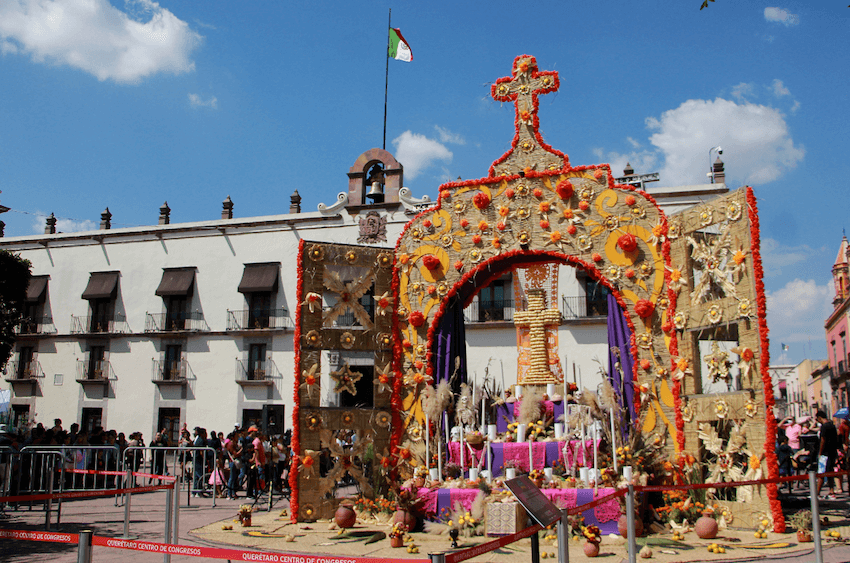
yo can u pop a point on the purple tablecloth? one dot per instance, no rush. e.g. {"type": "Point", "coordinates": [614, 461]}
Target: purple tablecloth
{"type": "Point", "coordinates": [544, 454]}
{"type": "Point", "coordinates": [440, 501]}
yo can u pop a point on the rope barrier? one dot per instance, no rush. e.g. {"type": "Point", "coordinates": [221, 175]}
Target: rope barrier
{"type": "Point", "coordinates": [477, 550]}
{"type": "Point", "coordinates": [84, 494]}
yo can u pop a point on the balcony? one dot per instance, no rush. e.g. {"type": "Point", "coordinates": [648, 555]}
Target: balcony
{"type": "Point", "coordinates": [843, 368]}
{"type": "Point", "coordinates": [486, 311]}
{"type": "Point", "coordinates": [41, 325]}
{"type": "Point", "coordinates": [262, 319]}
{"type": "Point", "coordinates": [256, 373]}
{"type": "Point", "coordinates": [583, 306]}
{"type": "Point", "coordinates": [99, 324]}
{"type": "Point", "coordinates": [192, 321]}
{"type": "Point", "coordinates": [170, 372]}
{"type": "Point", "coordinates": [94, 372]}
{"type": "Point", "coordinates": [23, 371]}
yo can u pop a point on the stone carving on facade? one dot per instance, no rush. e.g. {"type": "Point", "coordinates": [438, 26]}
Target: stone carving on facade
{"type": "Point", "coordinates": [373, 228]}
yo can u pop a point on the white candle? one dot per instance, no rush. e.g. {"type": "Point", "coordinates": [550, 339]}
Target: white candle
{"type": "Point", "coordinates": [489, 461]}
{"type": "Point", "coordinates": [559, 430]}
{"type": "Point", "coordinates": [596, 454]}
{"type": "Point", "coordinates": [627, 472]}
{"type": "Point", "coordinates": [440, 456]}
{"type": "Point", "coordinates": [473, 473]}
{"type": "Point", "coordinates": [547, 472]}
{"type": "Point", "coordinates": [518, 391]}
{"type": "Point", "coordinates": [427, 443]}
{"type": "Point", "coordinates": [435, 474]}
{"type": "Point", "coordinates": [550, 390]}
{"type": "Point", "coordinates": [613, 440]}
{"type": "Point", "coordinates": [520, 432]}
{"type": "Point", "coordinates": [584, 474]}
{"type": "Point", "coordinates": [462, 450]}
{"type": "Point", "coordinates": [483, 404]}
{"type": "Point", "coordinates": [492, 432]}
{"type": "Point", "coordinates": [530, 455]}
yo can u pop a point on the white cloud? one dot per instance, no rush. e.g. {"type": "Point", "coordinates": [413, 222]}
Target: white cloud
{"type": "Point", "coordinates": [62, 225]}
{"type": "Point", "coordinates": [417, 152]}
{"type": "Point", "coordinates": [756, 142]}
{"type": "Point", "coordinates": [778, 15]}
{"type": "Point", "coordinates": [776, 256]}
{"type": "Point", "coordinates": [96, 37]}
{"type": "Point", "coordinates": [795, 107]}
{"type": "Point", "coordinates": [797, 311]}
{"type": "Point", "coordinates": [779, 89]}
{"type": "Point", "coordinates": [634, 143]}
{"type": "Point", "coordinates": [743, 91]}
{"type": "Point", "coordinates": [447, 136]}
{"type": "Point", "coordinates": [196, 101]}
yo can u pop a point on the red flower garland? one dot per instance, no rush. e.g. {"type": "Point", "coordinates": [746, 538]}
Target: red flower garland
{"type": "Point", "coordinates": [295, 444]}
{"type": "Point", "coordinates": [770, 434]}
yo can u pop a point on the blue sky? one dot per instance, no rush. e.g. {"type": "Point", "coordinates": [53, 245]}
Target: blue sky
{"type": "Point", "coordinates": [130, 104]}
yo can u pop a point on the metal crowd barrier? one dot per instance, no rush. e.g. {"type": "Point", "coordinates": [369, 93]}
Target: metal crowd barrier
{"type": "Point", "coordinates": [176, 461]}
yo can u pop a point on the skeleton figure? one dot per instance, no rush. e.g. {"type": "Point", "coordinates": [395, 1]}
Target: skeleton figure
{"type": "Point", "coordinates": [465, 406]}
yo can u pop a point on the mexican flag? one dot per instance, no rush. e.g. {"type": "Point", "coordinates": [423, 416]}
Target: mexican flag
{"type": "Point", "coordinates": [399, 49]}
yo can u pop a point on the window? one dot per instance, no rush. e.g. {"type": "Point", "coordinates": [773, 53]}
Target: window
{"type": "Point", "coordinates": [259, 285]}
{"type": "Point", "coordinates": [172, 370]}
{"type": "Point", "coordinates": [493, 300]}
{"type": "Point", "coordinates": [97, 363]}
{"type": "Point", "coordinates": [175, 312]}
{"type": "Point", "coordinates": [252, 417]}
{"type": "Point", "coordinates": [20, 415]}
{"type": "Point", "coordinates": [596, 298]}
{"type": "Point", "coordinates": [34, 304]}
{"type": "Point", "coordinates": [100, 293]}
{"type": "Point", "coordinates": [257, 361]}
{"type": "Point", "coordinates": [92, 418]}
{"type": "Point", "coordinates": [25, 363]}
{"type": "Point", "coordinates": [169, 424]}
{"type": "Point", "coordinates": [259, 309]}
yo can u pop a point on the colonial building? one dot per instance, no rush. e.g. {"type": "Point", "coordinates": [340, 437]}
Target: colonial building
{"type": "Point", "coordinates": [837, 343]}
{"type": "Point", "coordinates": [152, 327]}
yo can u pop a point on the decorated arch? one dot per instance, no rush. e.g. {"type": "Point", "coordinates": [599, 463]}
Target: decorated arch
{"type": "Point", "coordinates": [690, 283]}
{"type": "Point", "coordinates": [534, 206]}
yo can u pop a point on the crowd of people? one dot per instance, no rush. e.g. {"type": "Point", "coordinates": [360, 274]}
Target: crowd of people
{"type": "Point", "coordinates": [817, 444]}
{"type": "Point", "coordinates": [243, 460]}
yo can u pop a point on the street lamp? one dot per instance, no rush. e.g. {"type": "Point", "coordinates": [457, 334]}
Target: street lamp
{"type": "Point", "coordinates": [719, 150]}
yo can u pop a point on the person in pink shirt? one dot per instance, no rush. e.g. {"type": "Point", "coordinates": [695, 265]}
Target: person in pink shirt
{"type": "Point", "coordinates": [793, 429]}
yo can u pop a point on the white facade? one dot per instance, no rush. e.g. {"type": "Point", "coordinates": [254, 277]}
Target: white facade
{"type": "Point", "coordinates": [135, 387]}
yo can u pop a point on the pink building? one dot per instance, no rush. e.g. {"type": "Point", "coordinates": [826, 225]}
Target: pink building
{"type": "Point", "coordinates": [836, 328]}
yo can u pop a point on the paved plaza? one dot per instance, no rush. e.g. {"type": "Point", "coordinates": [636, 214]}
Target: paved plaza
{"type": "Point", "coordinates": [200, 525]}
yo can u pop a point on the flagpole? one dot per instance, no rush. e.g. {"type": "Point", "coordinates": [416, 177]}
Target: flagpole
{"type": "Point", "coordinates": [387, 76]}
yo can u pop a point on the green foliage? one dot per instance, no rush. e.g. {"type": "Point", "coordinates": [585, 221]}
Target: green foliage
{"type": "Point", "coordinates": [15, 276]}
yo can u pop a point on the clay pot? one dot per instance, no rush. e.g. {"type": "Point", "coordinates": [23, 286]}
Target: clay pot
{"type": "Point", "coordinates": [623, 526]}
{"type": "Point", "coordinates": [418, 482]}
{"type": "Point", "coordinates": [706, 527]}
{"type": "Point", "coordinates": [397, 541]}
{"type": "Point", "coordinates": [245, 521]}
{"type": "Point", "coordinates": [804, 536]}
{"type": "Point", "coordinates": [407, 518]}
{"type": "Point", "coordinates": [591, 549]}
{"type": "Point", "coordinates": [345, 517]}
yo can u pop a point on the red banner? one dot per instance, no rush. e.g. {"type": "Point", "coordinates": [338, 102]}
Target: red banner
{"type": "Point", "coordinates": [471, 552]}
{"type": "Point", "coordinates": [235, 554]}
{"type": "Point", "coordinates": [58, 537]}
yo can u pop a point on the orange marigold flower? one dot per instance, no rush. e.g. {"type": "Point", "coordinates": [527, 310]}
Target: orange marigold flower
{"type": "Point", "coordinates": [544, 224]}
{"type": "Point", "coordinates": [497, 243]}
{"type": "Point", "coordinates": [583, 205]}
{"type": "Point", "coordinates": [504, 210]}
{"type": "Point", "coordinates": [572, 229]}
{"type": "Point", "coordinates": [544, 207]}
{"type": "Point", "coordinates": [483, 226]}
{"type": "Point", "coordinates": [739, 257]}
{"type": "Point", "coordinates": [525, 115]}
{"type": "Point", "coordinates": [598, 174]}
{"type": "Point", "coordinates": [509, 193]}
{"type": "Point", "coordinates": [555, 236]}
{"type": "Point", "coordinates": [568, 213]}
{"type": "Point", "coordinates": [404, 258]}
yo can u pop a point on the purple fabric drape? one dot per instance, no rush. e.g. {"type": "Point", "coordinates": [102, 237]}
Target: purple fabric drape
{"type": "Point", "coordinates": [451, 344]}
{"type": "Point", "coordinates": [620, 336]}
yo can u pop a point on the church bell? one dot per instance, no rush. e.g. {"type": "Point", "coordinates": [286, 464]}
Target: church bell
{"type": "Point", "coordinates": [376, 194]}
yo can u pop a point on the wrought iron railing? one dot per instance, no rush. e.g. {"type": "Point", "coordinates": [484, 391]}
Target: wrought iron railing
{"type": "Point", "coordinates": [257, 319]}
{"type": "Point", "coordinates": [175, 322]}
{"type": "Point", "coordinates": [98, 324]}
{"type": "Point", "coordinates": [582, 306]}
{"type": "Point", "coordinates": [170, 370]}
{"type": "Point", "coordinates": [486, 310]}
{"type": "Point", "coordinates": [94, 370]}
{"type": "Point", "coordinates": [256, 370]}
{"type": "Point", "coordinates": [23, 371]}
{"type": "Point", "coordinates": [40, 325]}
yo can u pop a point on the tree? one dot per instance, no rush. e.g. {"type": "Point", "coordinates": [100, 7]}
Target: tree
{"type": "Point", "coordinates": [15, 276]}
